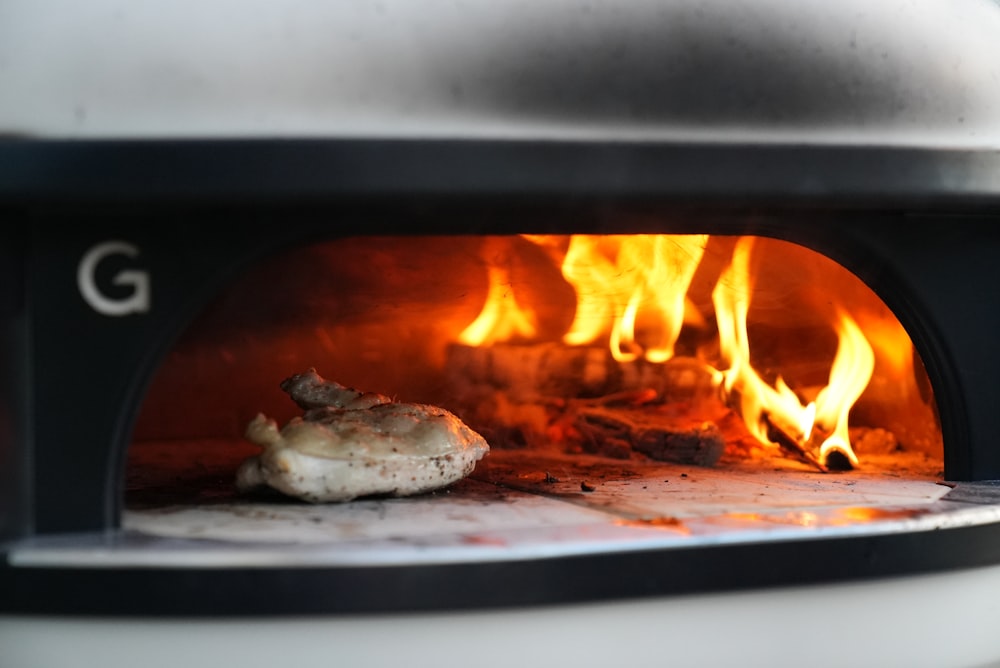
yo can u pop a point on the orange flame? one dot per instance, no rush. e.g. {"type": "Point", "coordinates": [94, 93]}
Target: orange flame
{"type": "Point", "coordinates": [849, 374]}
{"type": "Point", "coordinates": [731, 298]}
{"type": "Point", "coordinates": [622, 280]}
{"type": "Point", "coordinates": [501, 319]}
{"type": "Point", "coordinates": [852, 369]}
{"type": "Point", "coordinates": [632, 291]}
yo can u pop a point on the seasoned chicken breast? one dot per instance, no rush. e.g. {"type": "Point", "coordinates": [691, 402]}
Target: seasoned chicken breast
{"type": "Point", "coordinates": [350, 444]}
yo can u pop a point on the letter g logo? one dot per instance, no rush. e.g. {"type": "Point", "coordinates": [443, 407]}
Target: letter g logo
{"type": "Point", "coordinates": [136, 302]}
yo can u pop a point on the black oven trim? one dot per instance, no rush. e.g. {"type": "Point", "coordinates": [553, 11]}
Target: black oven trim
{"type": "Point", "coordinates": [298, 172]}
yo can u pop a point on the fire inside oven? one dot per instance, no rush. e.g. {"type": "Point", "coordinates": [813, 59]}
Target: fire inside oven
{"type": "Point", "coordinates": [681, 384]}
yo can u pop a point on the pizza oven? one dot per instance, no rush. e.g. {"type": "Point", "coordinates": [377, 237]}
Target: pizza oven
{"type": "Point", "coordinates": [720, 339]}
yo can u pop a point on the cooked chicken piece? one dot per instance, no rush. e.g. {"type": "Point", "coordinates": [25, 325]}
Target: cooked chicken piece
{"type": "Point", "coordinates": [350, 444]}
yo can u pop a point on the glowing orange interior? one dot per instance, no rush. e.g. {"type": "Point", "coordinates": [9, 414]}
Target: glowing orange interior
{"type": "Point", "coordinates": [788, 339]}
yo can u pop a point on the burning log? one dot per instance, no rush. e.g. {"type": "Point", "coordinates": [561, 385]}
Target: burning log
{"type": "Point", "coordinates": [802, 449]}
{"type": "Point", "coordinates": [837, 460]}
{"type": "Point", "coordinates": [581, 398]}
{"type": "Point", "coordinates": [789, 444]}
{"type": "Point", "coordinates": [556, 370]}
{"type": "Point", "coordinates": [656, 434]}
{"type": "Point", "coordinates": [546, 394]}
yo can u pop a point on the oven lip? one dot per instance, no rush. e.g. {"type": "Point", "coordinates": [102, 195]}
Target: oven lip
{"type": "Point", "coordinates": [482, 585]}
{"type": "Point", "coordinates": [221, 172]}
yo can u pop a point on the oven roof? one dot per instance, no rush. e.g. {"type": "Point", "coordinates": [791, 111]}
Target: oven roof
{"type": "Point", "coordinates": [783, 71]}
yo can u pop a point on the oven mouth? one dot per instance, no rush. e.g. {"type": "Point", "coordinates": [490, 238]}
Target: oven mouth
{"type": "Point", "coordinates": [388, 314]}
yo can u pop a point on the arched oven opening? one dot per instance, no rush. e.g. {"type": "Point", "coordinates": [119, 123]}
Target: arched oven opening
{"type": "Point", "coordinates": [637, 391]}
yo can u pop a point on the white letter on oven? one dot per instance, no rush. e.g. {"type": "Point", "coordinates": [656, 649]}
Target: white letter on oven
{"type": "Point", "coordinates": [137, 302]}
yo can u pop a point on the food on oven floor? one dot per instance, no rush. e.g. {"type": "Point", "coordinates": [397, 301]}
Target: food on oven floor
{"type": "Point", "coordinates": [350, 444]}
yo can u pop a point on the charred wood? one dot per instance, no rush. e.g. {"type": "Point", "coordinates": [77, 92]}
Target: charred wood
{"type": "Point", "coordinates": [555, 370]}
{"type": "Point", "coordinates": [789, 444]}
{"type": "Point", "coordinates": [653, 433]}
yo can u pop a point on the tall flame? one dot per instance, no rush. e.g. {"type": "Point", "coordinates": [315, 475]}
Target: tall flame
{"type": "Point", "coordinates": [759, 402]}
{"type": "Point", "coordinates": [852, 369]}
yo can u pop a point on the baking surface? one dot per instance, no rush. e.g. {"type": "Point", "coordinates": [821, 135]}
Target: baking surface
{"type": "Point", "coordinates": [532, 504]}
